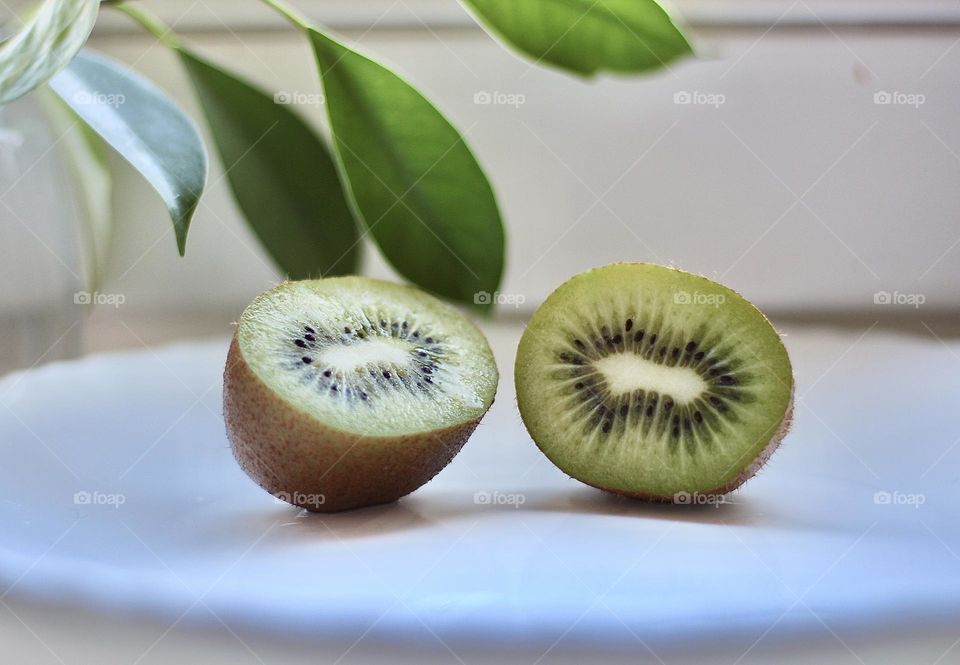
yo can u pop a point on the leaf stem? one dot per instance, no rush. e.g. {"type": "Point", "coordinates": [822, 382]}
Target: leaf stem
{"type": "Point", "coordinates": [149, 22]}
{"type": "Point", "coordinates": [289, 13]}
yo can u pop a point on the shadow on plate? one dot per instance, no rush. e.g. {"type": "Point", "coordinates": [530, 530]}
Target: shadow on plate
{"type": "Point", "coordinates": [738, 509]}
{"type": "Point", "coordinates": [587, 500]}
{"type": "Point", "coordinates": [283, 525]}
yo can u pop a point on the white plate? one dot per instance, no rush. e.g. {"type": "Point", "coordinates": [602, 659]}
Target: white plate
{"type": "Point", "coordinates": [172, 524]}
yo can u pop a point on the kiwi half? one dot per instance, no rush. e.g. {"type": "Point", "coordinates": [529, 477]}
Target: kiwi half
{"type": "Point", "coordinates": [654, 383]}
{"type": "Point", "coordinates": [348, 392]}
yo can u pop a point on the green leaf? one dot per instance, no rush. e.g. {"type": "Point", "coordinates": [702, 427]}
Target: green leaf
{"type": "Point", "coordinates": [415, 182]}
{"type": "Point", "coordinates": [44, 45]}
{"type": "Point", "coordinates": [138, 121]}
{"type": "Point", "coordinates": [86, 155]}
{"type": "Point", "coordinates": [586, 36]}
{"type": "Point", "coordinates": [281, 174]}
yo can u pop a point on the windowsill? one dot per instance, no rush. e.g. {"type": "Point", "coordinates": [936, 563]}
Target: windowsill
{"type": "Point", "coordinates": [217, 15]}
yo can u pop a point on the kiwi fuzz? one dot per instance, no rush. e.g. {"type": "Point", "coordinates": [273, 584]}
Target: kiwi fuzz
{"type": "Point", "coordinates": [369, 442]}
{"type": "Point", "coordinates": [293, 456]}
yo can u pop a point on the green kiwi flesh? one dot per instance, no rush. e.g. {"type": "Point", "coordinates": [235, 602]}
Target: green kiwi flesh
{"type": "Point", "coordinates": [350, 391]}
{"type": "Point", "coordinates": [652, 382]}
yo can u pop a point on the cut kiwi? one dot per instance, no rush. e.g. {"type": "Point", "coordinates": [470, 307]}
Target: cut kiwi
{"type": "Point", "coordinates": [655, 383]}
{"type": "Point", "coordinates": [347, 392]}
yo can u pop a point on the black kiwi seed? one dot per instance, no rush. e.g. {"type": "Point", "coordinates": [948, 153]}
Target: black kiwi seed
{"type": "Point", "coordinates": [306, 360]}
{"type": "Point", "coordinates": [309, 329]}
{"type": "Point", "coordinates": [698, 356]}
{"type": "Point", "coordinates": [416, 334]}
{"type": "Point", "coordinates": [429, 340]}
{"type": "Point", "coordinates": [346, 329]}
{"type": "Point", "coordinates": [579, 386]}
{"type": "Point", "coordinates": [690, 346]}
{"type": "Point", "coordinates": [427, 370]}
{"type": "Point", "coordinates": [698, 416]}
{"type": "Point", "coordinates": [580, 345]}
{"type": "Point", "coordinates": [310, 338]}
{"type": "Point", "coordinates": [624, 410]}
{"type": "Point", "coordinates": [328, 373]}
{"type": "Point", "coordinates": [607, 426]}
{"type": "Point", "coordinates": [428, 379]}
{"type": "Point", "coordinates": [617, 339]}
{"type": "Point", "coordinates": [383, 324]}
{"type": "Point", "coordinates": [668, 404]}
{"type": "Point", "coordinates": [638, 337]}
{"type": "Point", "coordinates": [653, 340]}
{"type": "Point", "coordinates": [727, 380]}
{"type": "Point", "coordinates": [405, 325]}
{"type": "Point", "coordinates": [676, 352]}
{"type": "Point", "coordinates": [628, 325]}
{"type": "Point", "coordinates": [333, 387]}
{"type": "Point", "coordinates": [650, 411]}
{"type": "Point", "coordinates": [300, 343]}
{"type": "Point", "coordinates": [386, 374]}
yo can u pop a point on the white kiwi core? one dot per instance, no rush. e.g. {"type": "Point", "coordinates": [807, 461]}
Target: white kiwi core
{"type": "Point", "coordinates": [626, 372]}
{"type": "Point", "coordinates": [378, 352]}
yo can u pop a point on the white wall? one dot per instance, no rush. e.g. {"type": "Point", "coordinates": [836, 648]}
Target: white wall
{"type": "Point", "coordinates": [798, 189]}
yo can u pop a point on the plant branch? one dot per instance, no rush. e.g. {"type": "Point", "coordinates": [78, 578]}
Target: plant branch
{"type": "Point", "coordinates": [289, 13]}
{"type": "Point", "coordinates": [150, 23]}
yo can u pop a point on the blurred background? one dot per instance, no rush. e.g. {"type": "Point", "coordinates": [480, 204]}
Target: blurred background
{"type": "Point", "coordinates": [808, 157]}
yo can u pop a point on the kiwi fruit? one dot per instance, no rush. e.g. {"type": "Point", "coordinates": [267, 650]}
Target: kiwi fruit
{"type": "Point", "coordinates": [653, 383]}
{"type": "Point", "coordinates": [347, 392]}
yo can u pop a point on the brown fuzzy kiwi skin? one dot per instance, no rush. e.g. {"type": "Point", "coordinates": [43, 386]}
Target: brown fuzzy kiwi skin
{"type": "Point", "coordinates": [295, 457]}
{"type": "Point", "coordinates": [782, 430]}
